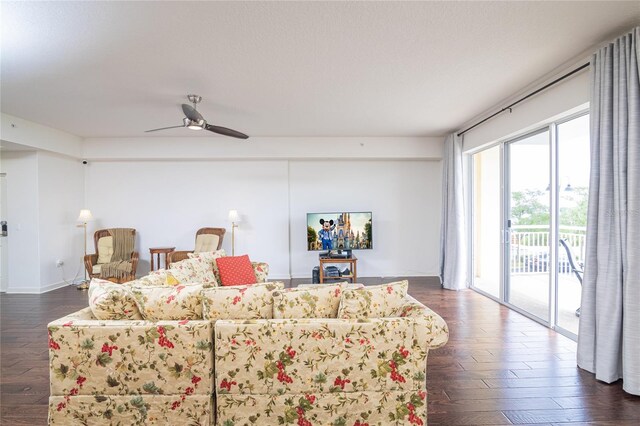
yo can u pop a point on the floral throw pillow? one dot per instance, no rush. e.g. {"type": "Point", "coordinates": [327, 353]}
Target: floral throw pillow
{"type": "Point", "coordinates": [374, 301]}
{"type": "Point", "coordinates": [236, 270]}
{"type": "Point", "coordinates": [180, 302]}
{"type": "Point", "coordinates": [307, 302]}
{"type": "Point", "coordinates": [253, 301]}
{"type": "Point", "coordinates": [110, 301]}
{"type": "Point", "coordinates": [210, 256]}
{"type": "Point", "coordinates": [196, 270]}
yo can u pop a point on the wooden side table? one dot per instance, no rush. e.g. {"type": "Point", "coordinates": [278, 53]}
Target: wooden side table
{"type": "Point", "coordinates": [157, 251]}
{"type": "Point", "coordinates": [352, 261]}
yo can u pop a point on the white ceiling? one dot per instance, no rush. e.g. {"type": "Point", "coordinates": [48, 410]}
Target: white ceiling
{"type": "Point", "coordinates": [110, 69]}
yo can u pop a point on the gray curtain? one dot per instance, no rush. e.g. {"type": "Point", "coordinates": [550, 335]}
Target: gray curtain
{"type": "Point", "coordinates": [609, 336]}
{"type": "Point", "coordinates": [453, 235]}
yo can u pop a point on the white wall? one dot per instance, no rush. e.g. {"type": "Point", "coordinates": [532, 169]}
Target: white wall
{"type": "Point", "coordinates": [22, 217]}
{"type": "Point", "coordinates": [39, 137]}
{"type": "Point", "coordinates": [60, 198]}
{"type": "Point", "coordinates": [167, 201]}
{"type": "Point", "coordinates": [404, 197]}
{"type": "Point", "coordinates": [571, 95]}
{"type": "Point", "coordinates": [199, 146]}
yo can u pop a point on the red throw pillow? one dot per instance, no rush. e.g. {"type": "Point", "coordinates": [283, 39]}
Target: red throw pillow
{"type": "Point", "coordinates": [235, 270]}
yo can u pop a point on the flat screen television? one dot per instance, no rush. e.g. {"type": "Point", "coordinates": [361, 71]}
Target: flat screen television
{"type": "Point", "coordinates": [339, 231]}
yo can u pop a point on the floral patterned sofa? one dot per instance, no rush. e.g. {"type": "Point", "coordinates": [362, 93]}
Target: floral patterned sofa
{"type": "Point", "coordinates": [260, 371]}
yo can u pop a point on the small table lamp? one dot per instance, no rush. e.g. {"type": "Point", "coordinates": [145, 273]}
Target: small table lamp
{"type": "Point", "coordinates": [84, 217]}
{"type": "Point", "coordinates": [234, 218]}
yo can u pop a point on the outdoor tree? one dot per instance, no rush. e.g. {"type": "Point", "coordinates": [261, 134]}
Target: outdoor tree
{"type": "Point", "coordinates": [530, 207]}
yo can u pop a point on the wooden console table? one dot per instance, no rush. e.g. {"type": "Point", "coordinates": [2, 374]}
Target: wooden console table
{"type": "Point", "coordinates": [352, 261]}
{"type": "Point", "coordinates": [157, 251]}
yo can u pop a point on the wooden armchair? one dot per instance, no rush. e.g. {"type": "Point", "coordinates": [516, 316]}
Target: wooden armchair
{"type": "Point", "coordinates": [91, 260]}
{"type": "Point", "coordinates": [177, 256]}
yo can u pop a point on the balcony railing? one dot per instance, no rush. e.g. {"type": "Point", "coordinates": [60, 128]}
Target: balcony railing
{"type": "Point", "coordinates": [530, 248]}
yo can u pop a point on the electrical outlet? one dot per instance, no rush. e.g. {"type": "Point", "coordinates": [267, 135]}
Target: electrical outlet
{"type": "Point", "coordinates": [59, 263]}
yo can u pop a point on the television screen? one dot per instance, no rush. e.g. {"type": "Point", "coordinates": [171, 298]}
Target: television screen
{"type": "Point", "coordinates": [339, 231]}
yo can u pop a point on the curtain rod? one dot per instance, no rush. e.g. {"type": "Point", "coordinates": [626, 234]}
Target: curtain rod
{"type": "Point", "coordinates": [508, 108]}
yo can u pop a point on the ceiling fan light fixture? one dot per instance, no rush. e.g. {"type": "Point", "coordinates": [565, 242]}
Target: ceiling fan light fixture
{"type": "Point", "coordinates": [194, 125]}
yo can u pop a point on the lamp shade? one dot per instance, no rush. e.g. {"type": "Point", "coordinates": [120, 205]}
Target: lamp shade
{"type": "Point", "coordinates": [234, 216]}
{"type": "Point", "coordinates": [85, 216]}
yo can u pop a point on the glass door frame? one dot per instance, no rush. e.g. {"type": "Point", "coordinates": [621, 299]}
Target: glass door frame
{"type": "Point", "coordinates": [506, 231]}
{"type": "Point", "coordinates": [552, 127]}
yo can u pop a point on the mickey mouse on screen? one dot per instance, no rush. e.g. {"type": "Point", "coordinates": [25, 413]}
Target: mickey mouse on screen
{"type": "Point", "coordinates": [326, 233]}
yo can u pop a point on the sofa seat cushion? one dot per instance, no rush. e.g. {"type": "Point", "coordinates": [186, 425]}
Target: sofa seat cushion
{"type": "Point", "coordinates": [196, 270]}
{"type": "Point", "coordinates": [253, 301]}
{"type": "Point", "coordinates": [377, 301]}
{"type": "Point", "coordinates": [162, 302]}
{"type": "Point", "coordinates": [105, 249]}
{"type": "Point", "coordinates": [236, 270]}
{"type": "Point", "coordinates": [307, 302]}
{"type": "Point", "coordinates": [110, 301]}
{"type": "Point", "coordinates": [96, 269]}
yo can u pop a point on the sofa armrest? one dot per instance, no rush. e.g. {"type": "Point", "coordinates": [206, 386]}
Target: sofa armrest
{"type": "Point", "coordinates": [432, 328]}
{"type": "Point", "coordinates": [261, 270]}
{"type": "Point", "coordinates": [95, 357]}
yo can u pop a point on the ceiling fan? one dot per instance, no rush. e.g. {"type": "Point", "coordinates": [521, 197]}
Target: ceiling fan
{"type": "Point", "coordinates": [193, 120]}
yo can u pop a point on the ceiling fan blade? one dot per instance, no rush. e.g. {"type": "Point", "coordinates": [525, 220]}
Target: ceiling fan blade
{"type": "Point", "coordinates": [191, 113]}
{"type": "Point", "coordinates": [225, 131]}
{"type": "Point", "coordinates": [163, 128]}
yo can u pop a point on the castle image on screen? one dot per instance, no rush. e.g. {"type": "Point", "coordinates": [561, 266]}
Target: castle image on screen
{"type": "Point", "coordinates": [339, 231]}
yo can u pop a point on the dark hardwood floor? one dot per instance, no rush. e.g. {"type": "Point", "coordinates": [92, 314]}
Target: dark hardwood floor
{"type": "Point", "coordinates": [498, 368]}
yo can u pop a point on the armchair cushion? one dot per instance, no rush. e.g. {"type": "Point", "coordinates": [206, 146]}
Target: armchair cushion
{"type": "Point", "coordinates": [240, 302]}
{"type": "Point", "coordinates": [307, 302]}
{"type": "Point", "coordinates": [109, 301]}
{"type": "Point", "coordinates": [206, 243]}
{"type": "Point", "coordinates": [377, 301]}
{"type": "Point", "coordinates": [105, 249]}
{"type": "Point", "coordinates": [236, 270]}
{"type": "Point", "coordinates": [194, 270]}
{"type": "Point", "coordinates": [180, 302]}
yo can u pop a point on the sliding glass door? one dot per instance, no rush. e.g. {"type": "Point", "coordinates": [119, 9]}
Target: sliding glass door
{"type": "Point", "coordinates": [573, 191]}
{"type": "Point", "coordinates": [529, 209]}
{"type": "Point", "coordinates": [528, 224]}
{"type": "Point", "coordinates": [486, 221]}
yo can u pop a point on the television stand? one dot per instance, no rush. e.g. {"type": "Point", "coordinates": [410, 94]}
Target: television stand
{"type": "Point", "coordinates": [351, 261]}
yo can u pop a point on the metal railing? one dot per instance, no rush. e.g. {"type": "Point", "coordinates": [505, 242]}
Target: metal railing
{"type": "Point", "coordinates": [530, 248]}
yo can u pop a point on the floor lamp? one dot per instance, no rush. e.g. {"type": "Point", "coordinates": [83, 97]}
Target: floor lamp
{"type": "Point", "coordinates": [234, 218]}
{"type": "Point", "coordinates": [84, 217]}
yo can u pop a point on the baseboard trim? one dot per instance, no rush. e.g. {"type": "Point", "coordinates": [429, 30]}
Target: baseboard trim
{"type": "Point", "coordinates": [37, 290]}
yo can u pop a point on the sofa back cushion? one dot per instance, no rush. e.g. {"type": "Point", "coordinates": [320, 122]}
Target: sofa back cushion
{"type": "Point", "coordinates": [377, 301]}
{"type": "Point", "coordinates": [210, 256]}
{"type": "Point", "coordinates": [162, 302]}
{"type": "Point", "coordinates": [236, 270]}
{"type": "Point", "coordinates": [110, 301]}
{"type": "Point", "coordinates": [321, 301]}
{"type": "Point", "coordinates": [195, 270]}
{"type": "Point", "coordinates": [239, 302]}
